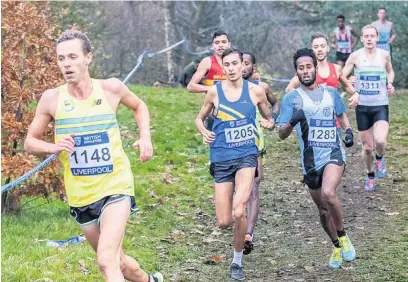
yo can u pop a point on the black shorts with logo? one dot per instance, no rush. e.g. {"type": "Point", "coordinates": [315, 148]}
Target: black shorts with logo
{"type": "Point", "coordinates": [342, 56]}
{"type": "Point", "coordinates": [225, 171]}
{"type": "Point", "coordinates": [366, 116]}
{"type": "Point", "coordinates": [93, 212]}
{"type": "Point", "coordinates": [314, 179]}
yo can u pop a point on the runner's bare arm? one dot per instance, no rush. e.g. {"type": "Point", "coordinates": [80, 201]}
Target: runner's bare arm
{"type": "Point", "coordinates": [142, 118]}
{"type": "Point", "coordinates": [261, 100]}
{"type": "Point", "coordinates": [33, 143]}
{"type": "Point", "coordinates": [293, 84]}
{"type": "Point", "coordinates": [344, 121]}
{"type": "Point", "coordinates": [343, 80]}
{"type": "Point", "coordinates": [348, 68]}
{"type": "Point", "coordinates": [205, 110]}
{"type": "Point", "coordinates": [353, 40]}
{"type": "Point", "coordinates": [390, 74]}
{"type": "Point", "coordinates": [194, 86]}
{"type": "Point", "coordinates": [393, 34]}
{"type": "Point", "coordinates": [333, 39]}
{"type": "Point", "coordinates": [271, 99]}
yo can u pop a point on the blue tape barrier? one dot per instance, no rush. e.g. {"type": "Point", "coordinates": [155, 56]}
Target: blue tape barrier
{"type": "Point", "coordinates": [28, 174]}
{"type": "Point", "coordinates": [61, 243]}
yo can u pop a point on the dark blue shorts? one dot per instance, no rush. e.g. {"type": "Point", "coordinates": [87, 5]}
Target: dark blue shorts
{"type": "Point", "coordinates": [93, 212]}
{"type": "Point", "coordinates": [225, 171]}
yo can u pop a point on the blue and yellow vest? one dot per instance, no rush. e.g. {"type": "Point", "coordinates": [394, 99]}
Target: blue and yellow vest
{"type": "Point", "coordinates": [236, 135]}
{"type": "Point", "coordinates": [98, 166]}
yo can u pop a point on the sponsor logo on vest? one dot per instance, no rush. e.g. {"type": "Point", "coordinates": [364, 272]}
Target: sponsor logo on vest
{"type": "Point", "coordinates": [68, 105]}
{"type": "Point", "coordinates": [326, 112]}
{"type": "Point", "coordinates": [98, 102]}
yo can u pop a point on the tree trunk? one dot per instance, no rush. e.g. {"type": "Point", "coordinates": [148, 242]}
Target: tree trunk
{"type": "Point", "coordinates": [168, 36]}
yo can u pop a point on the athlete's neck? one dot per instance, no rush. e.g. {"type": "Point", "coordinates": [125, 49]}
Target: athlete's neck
{"type": "Point", "coordinates": [371, 51]}
{"type": "Point", "coordinates": [322, 63]}
{"type": "Point", "coordinates": [250, 79]}
{"type": "Point", "coordinates": [236, 83]}
{"type": "Point", "coordinates": [81, 90]}
{"type": "Point", "coordinates": [382, 21]}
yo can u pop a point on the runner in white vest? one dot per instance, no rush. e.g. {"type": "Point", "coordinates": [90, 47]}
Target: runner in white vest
{"type": "Point", "coordinates": [374, 79]}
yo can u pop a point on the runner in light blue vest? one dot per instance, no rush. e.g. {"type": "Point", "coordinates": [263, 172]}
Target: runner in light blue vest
{"type": "Point", "coordinates": [386, 30]}
{"type": "Point", "coordinates": [311, 109]}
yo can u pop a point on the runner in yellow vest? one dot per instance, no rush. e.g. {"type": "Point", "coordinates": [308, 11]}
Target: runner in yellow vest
{"type": "Point", "coordinates": [97, 174]}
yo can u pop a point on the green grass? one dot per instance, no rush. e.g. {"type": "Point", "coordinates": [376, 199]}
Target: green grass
{"type": "Point", "coordinates": [164, 207]}
{"type": "Point", "coordinates": [167, 234]}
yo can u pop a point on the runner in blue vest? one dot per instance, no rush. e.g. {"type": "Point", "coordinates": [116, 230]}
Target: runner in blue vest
{"type": "Point", "coordinates": [386, 30]}
{"type": "Point", "coordinates": [233, 146]}
{"type": "Point", "coordinates": [311, 109]}
{"type": "Point", "coordinates": [254, 201]}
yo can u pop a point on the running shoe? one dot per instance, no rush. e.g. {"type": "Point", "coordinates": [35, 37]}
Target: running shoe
{"type": "Point", "coordinates": [248, 245]}
{"type": "Point", "coordinates": [336, 258]}
{"type": "Point", "coordinates": [380, 168]}
{"type": "Point", "coordinates": [349, 253]}
{"type": "Point", "coordinates": [236, 272]}
{"type": "Point", "coordinates": [369, 184]}
{"type": "Point", "coordinates": [157, 277]}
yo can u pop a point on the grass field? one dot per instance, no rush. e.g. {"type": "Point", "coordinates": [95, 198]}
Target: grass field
{"type": "Point", "coordinates": [175, 230]}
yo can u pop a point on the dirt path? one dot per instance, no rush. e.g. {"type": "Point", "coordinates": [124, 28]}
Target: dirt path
{"type": "Point", "coordinates": [290, 243]}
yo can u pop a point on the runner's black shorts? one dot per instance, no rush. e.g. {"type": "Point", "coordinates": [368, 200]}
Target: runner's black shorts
{"type": "Point", "coordinates": [342, 56]}
{"type": "Point", "coordinates": [225, 171]}
{"type": "Point", "coordinates": [93, 212]}
{"type": "Point", "coordinates": [314, 179]}
{"type": "Point", "coordinates": [366, 116]}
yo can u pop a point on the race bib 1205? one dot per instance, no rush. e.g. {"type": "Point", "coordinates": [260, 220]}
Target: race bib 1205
{"type": "Point", "coordinates": [240, 132]}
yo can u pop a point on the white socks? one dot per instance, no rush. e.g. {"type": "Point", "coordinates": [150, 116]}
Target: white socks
{"type": "Point", "coordinates": [238, 257]}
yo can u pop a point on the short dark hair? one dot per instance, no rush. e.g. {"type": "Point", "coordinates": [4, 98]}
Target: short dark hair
{"type": "Point", "coordinates": [382, 8]}
{"type": "Point", "coordinates": [219, 33]}
{"type": "Point", "coordinates": [251, 55]}
{"type": "Point", "coordinates": [318, 35]}
{"type": "Point", "coordinates": [230, 51]}
{"type": "Point", "coordinates": [76, 34]}
{"type": "Point", "coordinates": [304, 52]}
{"type": "Point", "coordinates": [340, 17]}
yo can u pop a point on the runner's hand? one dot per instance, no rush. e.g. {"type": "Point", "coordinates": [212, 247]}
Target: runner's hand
{"type": "Point", "coordinates": [354, 99]}
{"type": "Point", "coordinates": [390, 88]}
{"type": "Point", "coordinates": [208, 136]}
{"type": "Point", "coordinates": [348, 138]}
{"type": "Point", "coordinates": [256, 76]}
{"type": "Point", "coordinates": [352, 80]}
{"type": "Point", "coordinates": [145, 147]}
{"type": "Point", "coordinates": [297, 116]}
{"type": "Point", "coordinates": [66, 144]}
{"type": "Point", "coordinates": [268, 124]}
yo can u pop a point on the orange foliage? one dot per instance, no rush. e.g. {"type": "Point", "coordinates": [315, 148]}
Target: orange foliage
{"type": "Point", "coordinates": [28, 69]}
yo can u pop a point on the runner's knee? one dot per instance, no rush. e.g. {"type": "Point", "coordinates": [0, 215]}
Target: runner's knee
{"type": "Point", "coordinates": [224, 222]}
{"type": "Point", "coordinates": [329, 196]}
{"type": "Point", "coordinates": [238, 213]}
{"type": "Point", "coordinates": [380, 144]}
{"type": "Point", "coordinates": [367, 148]}
{"type": "Point", "coordinates": [106, 261]}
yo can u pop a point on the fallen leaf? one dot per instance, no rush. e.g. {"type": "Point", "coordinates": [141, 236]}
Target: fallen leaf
{"type": "Point", "coordinates": [217, 258]}
{"type": "Point", "coordinates": [392, 213]}
{"type": "Point", "coordinates": [309, 268]}
{"type": "Point", "coordinates": [82, 267]}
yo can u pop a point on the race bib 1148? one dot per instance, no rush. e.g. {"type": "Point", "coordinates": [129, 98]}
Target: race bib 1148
{"type": "Point", "coordinates": [91, 155]}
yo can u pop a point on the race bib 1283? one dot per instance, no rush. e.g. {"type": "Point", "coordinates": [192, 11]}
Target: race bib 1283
{"type": "Point", "coordinates": [91, 155]}
{"type": "Point", "coordinates": [322, 133]}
